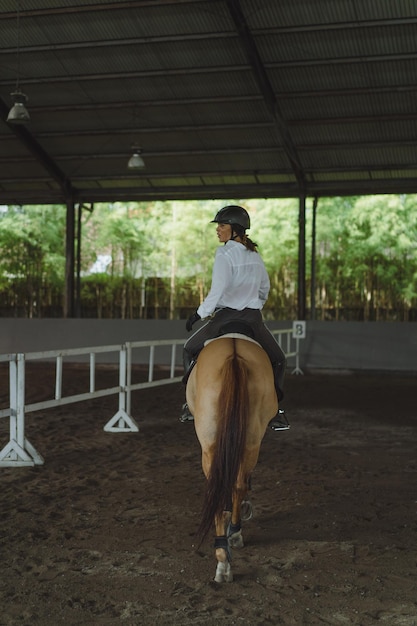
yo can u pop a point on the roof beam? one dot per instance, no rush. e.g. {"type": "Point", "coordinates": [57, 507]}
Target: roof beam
{"type": "Point", "coordinates": [39, 153]}
{"type": "Point", "coordinates": [249, 125]}
{"type": "Point", "coordinates": [139, 104]}
{"type": "Point", "coordinates": [152, 130]}
{"type": "Point", "coordinates": [128, 41]}
{"type": "Point", "coordinates": [265, 86]}
{"type": "Point", "coordinates": [93, 8]}
{"type": "Point", "coordinates": [289, 95]}
{"type": "Point", "coordinates": [337, 188]}
{"type": "Point", "coordinates": [216, 69]}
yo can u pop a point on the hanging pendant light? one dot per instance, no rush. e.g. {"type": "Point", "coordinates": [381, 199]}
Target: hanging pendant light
{"type": "Point", "coordinates": [136, 162]}
{"type": "Point", "coordinates": [18, 114]}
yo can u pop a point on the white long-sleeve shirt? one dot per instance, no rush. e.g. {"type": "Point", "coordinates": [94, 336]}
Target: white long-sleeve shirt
{"type": "Point", "coordinates": [239, 280]}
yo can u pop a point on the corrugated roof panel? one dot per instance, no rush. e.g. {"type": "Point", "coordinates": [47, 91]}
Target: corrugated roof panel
{"type": "Point", "coordinates": [342, 77]}
{"type": "Point", "coordinates": [203, 84]}
{"type": "Point", "coordinates": [290, 13]}
{"type": "Point", "coordinates": [357, 157]}
{"type": "Point", "coordinates": [360, 106]}
{"type": "Point", "coordinates": [166, 163]}
{"type": "Point", "coordinates": [276, 178]}
{"type": "Point", "coordinates": [339, 133]}
{"type": "Point", "coordinates": [394, 174]}
{"type": "Point", "coordinates": [212, 139]}
{"type": "Point", "coordinates": [168, 58]}
{"type": "Point", "coordinates": [233, 111]}
{"type": "Point", "coordinates": [149, 119]}
{"type": "Point", "coordinates": [264, 137]}
{"type": "Point", "coordinates": [179, 181]}
{"type": "Point", "coordinates": [340, 176]}
{"type": "Point", "coordinates": [337, 44]}
{"type": "Point", "coordinates": [375, 9]}
{"type": "Point", "coordinates": [213, 84]}
{"type": "Point", "coordinates": [287, 13]}
{"type": "Point", "coordinates": [94, 21]}
{"type": "Point", "coordinates": [176, 77]}
{"type": "Point", "coordinates": [115, 183]}
{"type": "Point", "coordinates": [185, 86]}
{"type": "Point", "coordinates": [227, 180]}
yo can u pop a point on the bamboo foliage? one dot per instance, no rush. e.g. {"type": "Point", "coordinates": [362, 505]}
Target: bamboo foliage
{"type": "Point", "coordinates": [155, 259]}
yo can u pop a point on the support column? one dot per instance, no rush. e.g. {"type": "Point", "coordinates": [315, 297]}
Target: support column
{"type": "Point", "coordinates": [69, 300]}
{"type": "Point", "coordinates": [313, 262]}
{"type": "Point", "coordinates": [77, 305]}
{"type": "Point", "coordinates": [301, 304]}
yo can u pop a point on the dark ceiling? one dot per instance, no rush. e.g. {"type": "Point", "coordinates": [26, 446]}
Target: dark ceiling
{"type": "Point", "coordinates": [227, 98]}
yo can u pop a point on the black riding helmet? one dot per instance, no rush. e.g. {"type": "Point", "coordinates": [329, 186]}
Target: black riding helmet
{"type": "Point", "coordinates": [234, 215]}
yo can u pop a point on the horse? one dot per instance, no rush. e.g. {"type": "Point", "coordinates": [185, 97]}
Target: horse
{"type": "Point", "coordinates": [231, 394]}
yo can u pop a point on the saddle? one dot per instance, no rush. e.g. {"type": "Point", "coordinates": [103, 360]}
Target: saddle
{"type": "Point", "coordinates": [236, 326]}
{"type": "Point", "coordinates": [232, 327]}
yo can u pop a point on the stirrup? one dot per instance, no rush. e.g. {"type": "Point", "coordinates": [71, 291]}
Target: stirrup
{"type": "Point", "coordinates": [186, 414]}
{"type": "Point", "coordinates": [279, 422]}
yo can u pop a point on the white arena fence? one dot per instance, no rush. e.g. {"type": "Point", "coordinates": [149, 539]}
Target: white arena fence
{"type": "Point", "coordinates": [20, 452]}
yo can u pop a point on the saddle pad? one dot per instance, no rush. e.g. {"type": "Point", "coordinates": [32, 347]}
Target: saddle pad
{"type": "Point", "coordinates": [233, 336]}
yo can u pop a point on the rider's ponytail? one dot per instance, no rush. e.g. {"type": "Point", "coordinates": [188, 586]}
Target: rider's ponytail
{"type": "Point", "coordinates": [250, 245]}
{"type": "Point", "coordinates": [247, 242]}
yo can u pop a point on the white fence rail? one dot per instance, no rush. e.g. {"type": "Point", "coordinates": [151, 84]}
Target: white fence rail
{"type": "Point", "coordinates": [20, 452]}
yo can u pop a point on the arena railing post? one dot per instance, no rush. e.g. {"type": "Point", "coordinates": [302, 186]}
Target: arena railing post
{"type": "Point", "coordinates": [122, 422]}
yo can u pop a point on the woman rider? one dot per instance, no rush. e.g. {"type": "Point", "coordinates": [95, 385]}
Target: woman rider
{"type": "Point", "coordinates": [239, 289]}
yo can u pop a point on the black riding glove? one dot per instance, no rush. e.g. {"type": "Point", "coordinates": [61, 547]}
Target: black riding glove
{"type": "Point", "coordinates": [192, 320]}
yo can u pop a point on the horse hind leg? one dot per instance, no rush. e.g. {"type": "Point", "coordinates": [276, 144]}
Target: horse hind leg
{"type": "Point", "coordinates": [234, 530]}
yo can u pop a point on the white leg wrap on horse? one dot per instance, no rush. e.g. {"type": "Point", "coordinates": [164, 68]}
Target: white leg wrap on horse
{"type": "Point", "coordinates": [223, 572]}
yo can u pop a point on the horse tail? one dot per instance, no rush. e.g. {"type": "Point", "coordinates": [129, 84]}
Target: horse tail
{"type": "Point", "coordinates": [229, 446]}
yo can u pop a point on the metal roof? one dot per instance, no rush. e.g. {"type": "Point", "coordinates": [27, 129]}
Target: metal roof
{"type": "Point", "coordinates": [227, 98]}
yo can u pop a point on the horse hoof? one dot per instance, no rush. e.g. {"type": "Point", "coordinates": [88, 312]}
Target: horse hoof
{"type": "Point", "coordinates": [223, 573]}
{"type": "Point", "coordinates": [236, 540]}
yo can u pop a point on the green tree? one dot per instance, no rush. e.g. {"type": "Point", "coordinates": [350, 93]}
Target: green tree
{"type": "Point", "coordinates": [32, 254]}
{"type": "Point", "coordinates": [274, 227]}
{"type": "Point", "coordinates": [332, 272]}
{"type": "Point", "coordinates": [159, 256]}
{"type": "Point", "coordinates": [382, 246]}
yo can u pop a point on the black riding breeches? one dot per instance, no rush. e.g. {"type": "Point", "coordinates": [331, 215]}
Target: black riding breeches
{"type": "Point", "coordinates": [253, 318]}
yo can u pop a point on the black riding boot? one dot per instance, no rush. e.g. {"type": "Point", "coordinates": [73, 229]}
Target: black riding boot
{"type": "Point", "coordinates": [279, 422]}
{"type": "Point", "coordinates": [188, 363]}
